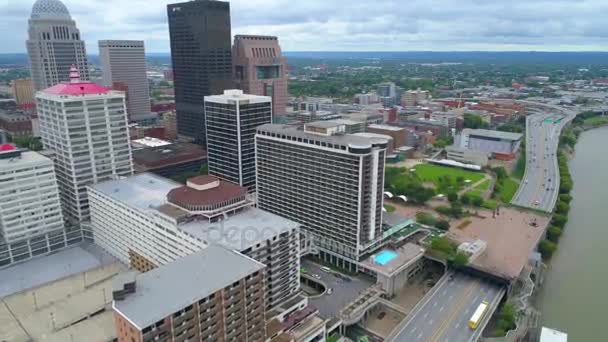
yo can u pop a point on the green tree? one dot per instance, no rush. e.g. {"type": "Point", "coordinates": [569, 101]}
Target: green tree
{"type": "Point", "coordinates": [547, 248]}
{"type": "Point", "coordinates": [460, 259]}
{"type": "Point", "coordinates": [442, 224]}
{"type": "Point", "coordinates": [452, 197]}
{"type": "Point", "coordinates": [465, 199]}
{"type": "Point", "coordinates": [559, 220]}
{"type": "Point", "coordinates": [553, 233]}
{"type": "Point", "coordinates": [477, 201]}
{"type": "Point", "coordinates": [442, 244]}
{"type": "Point", "coordinates": [425, 218]}
{"type": "Point", "coordinates": [474, 121]}
{"type": "Point", "coordinates": [562, 208]}
{"type": "Point", "coordinates": [565, 198]}
{"type": "Point", "coordinates": [28, 142]}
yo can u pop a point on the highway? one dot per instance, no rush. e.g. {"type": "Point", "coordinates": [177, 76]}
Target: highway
{"type": "Point", "coordinates": [539, 187]}
{"type": "Point", "coordinates": [444, 313]}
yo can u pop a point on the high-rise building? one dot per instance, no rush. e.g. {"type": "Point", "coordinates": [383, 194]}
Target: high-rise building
{"type": "Point", "coordinates": [54, 44]}
{"type": "Point", "coordinates": [147, 221]}
{"type": "Point", "coordinates": [213, 295]}
{"type": "Point", "coordinates": [329, 182]}
{"type": "Point", "coordinates": [201, 58]}
{"type": "Point", "coordinates": [125, 61]}
{"type": "Point", "coordinates": [231, 122]}
{"type": "Point", "coordinates": [85, 126]}
{"type": "Point", "coordinates": [261, 69]}
{"type": "Point", "coordinates": [23, 91]}
{"type": "Point", "coordinates": [29, 198]}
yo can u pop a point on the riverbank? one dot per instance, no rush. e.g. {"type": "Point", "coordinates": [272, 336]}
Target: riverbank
{"type": "Point", "coordinates": [573, 296]}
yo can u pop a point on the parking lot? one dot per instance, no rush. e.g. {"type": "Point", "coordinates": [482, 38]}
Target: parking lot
{"type": "Point", "coordinates": [344, 288]}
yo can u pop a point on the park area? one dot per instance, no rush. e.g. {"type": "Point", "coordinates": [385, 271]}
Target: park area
{"type": "Point", "coordinates": [448, 191]}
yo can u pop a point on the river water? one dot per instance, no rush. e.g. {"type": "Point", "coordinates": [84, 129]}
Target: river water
{"type": "Point", "coordinates": [574, 297]}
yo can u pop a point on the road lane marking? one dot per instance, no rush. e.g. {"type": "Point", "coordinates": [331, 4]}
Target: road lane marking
{"type": "Point", "coordinates": [441, 308]}
{"type": "Point", "coordinates": [425, 315]}
{"type": "Point", "coordinates": [447, 322]}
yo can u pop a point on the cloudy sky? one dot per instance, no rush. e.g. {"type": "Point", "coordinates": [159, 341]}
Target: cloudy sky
{"type": "Point", "coordinates": [349, 25]}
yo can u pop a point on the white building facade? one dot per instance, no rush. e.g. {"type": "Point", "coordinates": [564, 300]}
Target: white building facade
{"type": "Point", "coordinates": [29, 196]}
{"type": "Point", "coordinates": [85, 126]}
{"type": "Point", "coordinates": [146, 221]}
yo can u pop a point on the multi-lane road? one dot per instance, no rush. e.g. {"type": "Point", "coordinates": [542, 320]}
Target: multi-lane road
{"type": "Point", "coordinates": [540, 186]}
{"type": "Point", "coordinates": [444, 314]}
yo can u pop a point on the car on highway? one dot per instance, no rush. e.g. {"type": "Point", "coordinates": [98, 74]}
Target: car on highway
{"type": "Point", "coordinates": [526, 181]}
{"type": "Point", "coordinates": [330, 291]}
{"type": "Point", "coordinates": [536, 202]}
{"type": "Point", "coordinates": [316, 276]}
{"type": "Point", "coordinates": [326, 269]}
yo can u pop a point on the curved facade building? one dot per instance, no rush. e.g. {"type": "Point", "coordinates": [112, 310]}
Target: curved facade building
{"type": "Point", "coordinates": [54, 44]}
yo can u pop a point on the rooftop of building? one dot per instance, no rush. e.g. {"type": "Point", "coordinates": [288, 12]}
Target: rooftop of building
{"type": "Point", "coordinates": [510, 239]}
{"type": "Point", "coordinates": [243, 229]}
{"type": "Point", "coordinates": [399, 258]}
{"type": "Point", "coordinates": [239, 231]}
{"type": "Point", "coordinates": [15, 157]}
{"type": "Point", "coordinates": [343, 139]}
{"type": "Point", "coordinates": [152, 157]}
{"type": "Point", "coordinates": [143, 191]}
{"type": "Point", "coordinates": [373, 135]}
{"type": "Point", "coordinates": [68, 287]}
{"type": "Point", "coordinates": [50, 9]}
{"type": "Point", "coordinates": [236, 95]}
{"type": "Point", "coordinates": [552, 335]}
{"type": "Point", "coordinates": [77, 87]}
{"type": "Point", "coordinates": [324, 124]}
{"type": "Point", "coordinates": [205, 190]}
{"type": "Point", "coordinates": [149, 142]}
{"type": "Point", "coordinates": [170, 288]}
{"type": "Point", "coordinates": [493, 134]}
{"type": "Point", "coordinates": [347, 122]}
{"type": "Point", "coordinates": [386, 127]}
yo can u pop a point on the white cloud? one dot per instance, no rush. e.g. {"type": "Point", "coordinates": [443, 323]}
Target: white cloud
{"type": "Point", "coordinates": [349, 25]}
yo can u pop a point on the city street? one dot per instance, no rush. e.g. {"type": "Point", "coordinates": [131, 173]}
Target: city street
{"type": "Point", "coordinates": [343, 293]}
{"type": "Point", "coordinates": [540, 186]}
{"type": "Point", "coordinates": [445, 314]}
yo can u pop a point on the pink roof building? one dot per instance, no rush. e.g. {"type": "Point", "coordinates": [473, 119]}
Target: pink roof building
{"type": "Point", "coordinates": [85, 124]}
{"type": "Point", "coordinates": [261, 69]}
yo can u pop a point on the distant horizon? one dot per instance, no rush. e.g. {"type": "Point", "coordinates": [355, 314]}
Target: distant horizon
{"type": "Point", "coordinates": [381, 51]}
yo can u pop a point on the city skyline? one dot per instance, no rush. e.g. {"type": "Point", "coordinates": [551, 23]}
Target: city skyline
{"type": "Point", "coordinates": [330, 26]}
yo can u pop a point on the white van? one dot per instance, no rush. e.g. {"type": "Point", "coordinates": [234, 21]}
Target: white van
{"type": "Point", "coordinates": [326, 269]}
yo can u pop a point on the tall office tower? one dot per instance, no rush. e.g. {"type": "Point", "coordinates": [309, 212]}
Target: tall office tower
{"type": "Point", "coordinates": [85, 126]}
{"type": "Point", "coordinates": [231, 122]}
{"type": "Point", "coordinates": [29, 198]}
{"type": "Point", "coordinates": [54, 44]}
{"type": "Point", "coordinates": [147, 221]}
{"type": "Point", "coordinates": [213, 295]}
{"type": "Point", "coordinates": [201, 57]}
{"type": "Point", "coordinates": [23, 91]}
{"type": "Point", "coordinates": [261, 69]}
{"type": "Point", "coordinates": [329, 182]}
{"type": "Point", "coordinates": [125, 61]}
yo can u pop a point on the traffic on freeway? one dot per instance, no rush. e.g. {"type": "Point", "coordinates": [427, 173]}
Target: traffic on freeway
{"type": "Point", "coordinates": [445, 315]}
{"type": "Point", "coordinates": [540, 186]}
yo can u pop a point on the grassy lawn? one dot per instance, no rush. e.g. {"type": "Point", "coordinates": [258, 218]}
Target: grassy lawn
{"type": "Point", "coordinates": [389, 208]}
{"type": "Point", "coordinates": [432, 173]}
{"type": "Point", "coordinates": [509, 188]}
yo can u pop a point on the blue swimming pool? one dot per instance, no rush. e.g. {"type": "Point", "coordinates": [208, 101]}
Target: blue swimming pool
{"type": "Point", "coordinates": [385, 256]}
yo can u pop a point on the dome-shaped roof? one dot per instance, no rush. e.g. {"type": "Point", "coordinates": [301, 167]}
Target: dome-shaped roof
{"type": "Point", "coordinates": [50, 9]}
